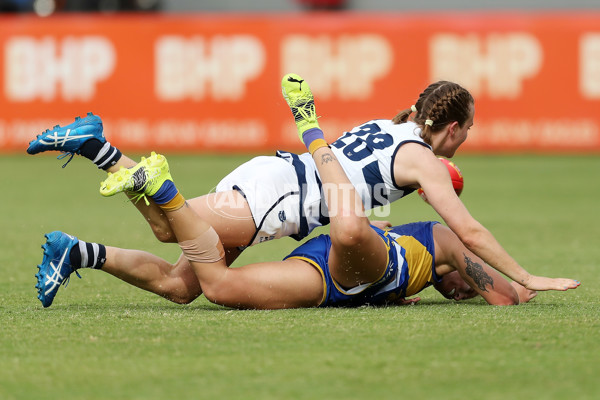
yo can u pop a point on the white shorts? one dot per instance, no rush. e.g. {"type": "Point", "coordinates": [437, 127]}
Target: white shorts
{"type": "Point", "coordinates": [283, 192]}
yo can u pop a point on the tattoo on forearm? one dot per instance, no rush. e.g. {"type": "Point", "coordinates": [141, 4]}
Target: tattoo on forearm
{"type": "Point", "coordinates": [327, 158]}
{"type": "Point", "coordinates": [476, 272]}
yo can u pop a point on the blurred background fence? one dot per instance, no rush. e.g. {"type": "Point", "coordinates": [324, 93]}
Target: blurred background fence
{"type": "Point", "coordinates": [204, 75]}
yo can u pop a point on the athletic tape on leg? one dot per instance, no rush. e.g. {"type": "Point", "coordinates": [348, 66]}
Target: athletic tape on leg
{"type": "Point", "coordinates": [204, 248]}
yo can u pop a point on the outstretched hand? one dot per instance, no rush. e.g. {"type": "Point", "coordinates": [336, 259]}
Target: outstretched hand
{"type": "Point", "coordinates": [543, 283]}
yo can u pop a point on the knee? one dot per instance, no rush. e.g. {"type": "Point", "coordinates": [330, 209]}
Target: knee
{"type": "Point", "coordinates": [180, 292]}
{"type": "Point", "coordinates": [180, 285]}
{"type": "Point", "coordinates": [215, 292]}
{"type": "Point", "coordinates": [179, 299]}
{"type": "Point", "coordinates": [222, 292]}
{"type": "Point", "coordinates": [184, 298]}
{"type": "Point", "coordinates": [163, 234]}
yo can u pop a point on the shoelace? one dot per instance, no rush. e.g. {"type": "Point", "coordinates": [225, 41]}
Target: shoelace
{"type": "Point", "coordinates": [305, 106]}
{"type": "Point", "coordinates": [66, 281]}
{"type": "Point", "coordinates": [135, 197]}
{"type": "Point", "coordinates": [66, 154]}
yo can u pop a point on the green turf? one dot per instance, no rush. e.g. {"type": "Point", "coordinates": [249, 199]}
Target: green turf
{"type": "Point", "coordinates": [103, 339]}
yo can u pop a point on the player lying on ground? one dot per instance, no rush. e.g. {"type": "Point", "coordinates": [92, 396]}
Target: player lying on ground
{"type": "Point", "coordinates": [356, 264]}
{"type": "Point", "coordinates": [384, 159]}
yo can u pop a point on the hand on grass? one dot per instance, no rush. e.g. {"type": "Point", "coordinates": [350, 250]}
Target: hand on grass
{"type": "Point", "coordinates": [543, 283]}
{"type": "Point", "coordinates": [408, 302]}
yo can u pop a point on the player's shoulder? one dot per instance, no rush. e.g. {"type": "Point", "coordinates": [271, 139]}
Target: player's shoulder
{"type": "Point", "coordinates": [412, 159]}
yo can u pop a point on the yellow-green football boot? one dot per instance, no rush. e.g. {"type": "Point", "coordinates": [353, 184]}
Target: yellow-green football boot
{"type": "Point", "coordinates": [297, 94]}
{"type": "Point", "coordinates": [142, 180]}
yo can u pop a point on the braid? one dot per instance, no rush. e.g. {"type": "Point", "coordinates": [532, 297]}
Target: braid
{"type": "Point", "coordinates": [442, 102]}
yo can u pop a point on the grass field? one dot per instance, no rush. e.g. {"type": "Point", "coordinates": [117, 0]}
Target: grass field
{"type": "Point", "coordinates": [103, 339]}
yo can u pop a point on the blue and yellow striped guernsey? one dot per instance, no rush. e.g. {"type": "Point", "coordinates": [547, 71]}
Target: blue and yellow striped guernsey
{"type": "Point", "coordinates": [420, 264]}
{"type": "Point", "coordinates": [410, 268]}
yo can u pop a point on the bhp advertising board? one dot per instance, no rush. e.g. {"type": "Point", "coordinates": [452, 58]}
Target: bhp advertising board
{"type": "Point", "coordinates": [211, 82]}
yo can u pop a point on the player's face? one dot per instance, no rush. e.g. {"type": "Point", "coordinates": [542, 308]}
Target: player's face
{"type": "Point", "coordinates": [453, 286]}
{"type": "Point", "coordinates": [461, 133]}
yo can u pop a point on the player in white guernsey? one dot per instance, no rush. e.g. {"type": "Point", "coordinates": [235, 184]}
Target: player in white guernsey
{"type": "Point", "coordinates": [367, 155]}
{"type": "Point", "coordinates": [355, 264]}
{"type": "Point", "coordinates": [272, 197]}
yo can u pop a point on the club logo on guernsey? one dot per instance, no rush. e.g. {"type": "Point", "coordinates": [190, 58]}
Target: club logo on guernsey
{"type": "Point", "coordinates": [282, 216]}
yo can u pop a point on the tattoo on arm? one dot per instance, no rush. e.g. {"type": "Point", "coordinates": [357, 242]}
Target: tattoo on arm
{"type": "Point", "coordinates": [476, 272]}
{"type": "Point", "coordinates": [327, 158]}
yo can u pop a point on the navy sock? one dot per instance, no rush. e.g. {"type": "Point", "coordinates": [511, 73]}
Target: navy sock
{"type": "Point", "coordinates": [88, 255]}
{"type": "Point", "coordinates": [102, 154]}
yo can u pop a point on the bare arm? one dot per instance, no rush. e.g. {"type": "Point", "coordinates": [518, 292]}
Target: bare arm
{"type": "Point", "coordinates": [418, 166]}
{"type": "Point", "coordinates": [452, 255]}
{"type": "Point", "coordinates": [487, 282]}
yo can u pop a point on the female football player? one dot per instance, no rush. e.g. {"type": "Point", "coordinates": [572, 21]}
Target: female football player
{"type": "Point", "coordinates": [356, 264]}
{"type": "Point", "coordinates": [271, 197]}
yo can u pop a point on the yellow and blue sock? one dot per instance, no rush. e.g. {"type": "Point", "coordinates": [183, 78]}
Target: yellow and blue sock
{"type": "Point", "coordinates": [168, 197]}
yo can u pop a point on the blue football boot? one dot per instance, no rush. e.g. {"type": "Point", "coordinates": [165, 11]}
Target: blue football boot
{"type": "Point", "coordinates": [68, 139]}
{"type": "Point", "coordinates": [55, 268]}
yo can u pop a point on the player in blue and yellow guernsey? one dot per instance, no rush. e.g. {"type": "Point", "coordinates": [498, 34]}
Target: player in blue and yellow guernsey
{"type": "Point", "coordinates": [410, 267]}
{"type": "Point", "coordinates": [356, 264]}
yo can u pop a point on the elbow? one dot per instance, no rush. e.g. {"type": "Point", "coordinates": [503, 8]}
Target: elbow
{"type": "Point", "coordinates": [471, 233]}
{"type": "Point", "coordinates": [471, 238]}
{"type": "Point", "coordinates": [507, 298]}
{"type": "Point", "coordinates": [507, 302]}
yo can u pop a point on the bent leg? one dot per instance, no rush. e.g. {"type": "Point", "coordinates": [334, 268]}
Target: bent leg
{"type": "Point", "coordinates": [358, 254]}
{"type": "Point", "coordinates": [261, 286]}
{"type": "Point", "coordinates": [271, 285]}
{"type": "Point", "coordinates": [229, 214]}
{"type": "Point", "coordinates": [175, 282]}
{"type": "Point", "coordinates": [151, 212]}
{"type": "Point", "coordinates": [283, 284]}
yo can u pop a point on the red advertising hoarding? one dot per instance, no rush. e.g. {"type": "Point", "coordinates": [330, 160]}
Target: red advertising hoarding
{"type": "Point", "coordinates": [211, 82]}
